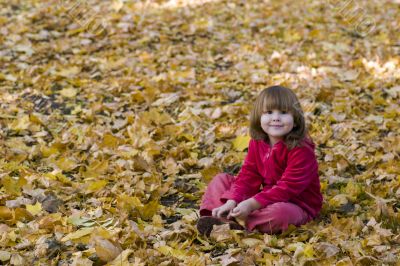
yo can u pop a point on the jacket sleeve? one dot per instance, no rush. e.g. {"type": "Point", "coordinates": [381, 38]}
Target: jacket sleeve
{"type": "Point", "coordinates": [247, 182]}
{"type": "Point", "coordinates": [301, 168]}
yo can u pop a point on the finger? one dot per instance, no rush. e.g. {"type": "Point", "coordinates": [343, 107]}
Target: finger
{"type": "Point", "coordinates": [235, 214]}
{"type": "Point", "coordinates": [239, 213]}
{"type": "Point", "coordinates": [214, 212]}
{"type": "Point", "coordinates": [221, 213]}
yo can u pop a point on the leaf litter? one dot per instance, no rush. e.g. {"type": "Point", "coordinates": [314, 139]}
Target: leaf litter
{"type": "Point", "coordinates": [109, 138]}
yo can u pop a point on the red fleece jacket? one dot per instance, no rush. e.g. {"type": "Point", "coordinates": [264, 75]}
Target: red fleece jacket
{"type": "Point", "coordinates": [286, 176]}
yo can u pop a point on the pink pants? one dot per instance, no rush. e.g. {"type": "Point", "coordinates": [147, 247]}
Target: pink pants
{"type": "Point", "coordinates": [274, 218]}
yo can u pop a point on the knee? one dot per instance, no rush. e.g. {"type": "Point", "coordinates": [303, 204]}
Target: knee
{"type": "Point", "coordinates": [279, 213]}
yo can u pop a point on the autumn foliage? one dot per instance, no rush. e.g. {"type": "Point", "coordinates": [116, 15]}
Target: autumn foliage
{"type": "Point", "coordinates": [116, 114]}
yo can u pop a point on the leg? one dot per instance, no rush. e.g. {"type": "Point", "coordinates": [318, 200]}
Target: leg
{"type": "Point", "coordinates": [276, 218]}
{"type": "Point", "coordinates": [218, 185]}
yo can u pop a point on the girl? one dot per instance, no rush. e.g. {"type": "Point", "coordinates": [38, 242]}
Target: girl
{"type": "Point", "coordinates": [281, 158]}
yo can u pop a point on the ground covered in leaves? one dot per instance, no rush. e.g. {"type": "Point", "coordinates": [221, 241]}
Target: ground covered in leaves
{"type": "Point", "coordinates": [115, 115]}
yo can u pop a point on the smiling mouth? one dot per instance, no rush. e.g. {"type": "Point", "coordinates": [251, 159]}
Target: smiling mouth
{"type": "Point", "coordinates": [275, 126]}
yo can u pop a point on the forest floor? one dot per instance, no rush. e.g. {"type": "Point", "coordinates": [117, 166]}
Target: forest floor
{"type": "Point", "coordinates": [116, 114]}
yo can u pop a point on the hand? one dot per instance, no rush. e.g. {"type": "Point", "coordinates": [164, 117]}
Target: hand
{"type": "Point", "coordinates": [244, 208]}
{"type": "Point", "coordinates": [241, 211]}
{"type": "Point", "coordinates": [224, 209]}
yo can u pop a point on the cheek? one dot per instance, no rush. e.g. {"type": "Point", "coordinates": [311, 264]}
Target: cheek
{"type": "Point", "coordinates": [290, 121]}
{"type": "Point", "coordinates": [264, 120]}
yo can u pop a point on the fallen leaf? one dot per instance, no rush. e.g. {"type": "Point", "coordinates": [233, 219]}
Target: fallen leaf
{"type": "Point", "coordinates": [240, 143]}
{"type": "Point", "coordinates": [77, 234]}
{"type": "Point", "coordinates": [105, 249]}
{"type": "Point", "coordinates": [220, 232]}
{"type": "Point", "coordinates": [69, 92]}
{"type": "Point", "coordinates": [34, 209]}
{"type": "Point", "coordinates": [5, 255]}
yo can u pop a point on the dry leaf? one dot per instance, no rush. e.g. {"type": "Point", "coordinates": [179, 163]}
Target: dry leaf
{"type": "Point", "coordinates": [220, 232]}
{"type": "Point", "coordinates": [105, 249]}
{"type": "Point", "coordinates": [241, 143]}
{"type": "Point", "coordinates": [116, 115]}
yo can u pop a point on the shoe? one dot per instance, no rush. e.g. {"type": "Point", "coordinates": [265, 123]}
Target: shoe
{"type": "Point", "coordinates": [205, 224]}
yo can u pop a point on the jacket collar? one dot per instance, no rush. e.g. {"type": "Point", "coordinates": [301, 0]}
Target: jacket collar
{"type": "Point", "coordinates": [280, 142]}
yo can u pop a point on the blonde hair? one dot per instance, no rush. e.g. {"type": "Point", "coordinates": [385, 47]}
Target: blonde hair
{"type": "Point", "coordinates": [284, 99]}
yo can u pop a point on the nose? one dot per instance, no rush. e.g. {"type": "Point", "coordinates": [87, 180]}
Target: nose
{"type": "Point", "coordinates": [275, 117]}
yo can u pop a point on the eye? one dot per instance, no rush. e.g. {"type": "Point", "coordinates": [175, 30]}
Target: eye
{"type": "Point", "coordinates": [284, 112]}
{"type": "Point", "coordinates": [268, 112]}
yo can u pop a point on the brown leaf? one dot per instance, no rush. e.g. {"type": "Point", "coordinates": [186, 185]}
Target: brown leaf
{"type": "Point", "coordinates": [106, 249]}
{"type": "Point", "coordinates": [221, 232]}
{"type": "Point", "coordinates": [51, 203]}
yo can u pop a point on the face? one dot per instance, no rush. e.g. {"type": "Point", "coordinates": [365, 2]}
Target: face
{"type": "Point", "coordinates": [276, 124]}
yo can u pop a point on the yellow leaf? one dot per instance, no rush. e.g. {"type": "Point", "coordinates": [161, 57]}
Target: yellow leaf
{"type": "Point", "coordinates": [291, 36]}
{"type": "Point", "coordinates": [170, 165]}
{"type": "Point", "coordinates": [324, 185]}
{"type": "Point", "coordinates": [353, 190]}
{"type": "Point", "coordinates": [126, 202]}
{"type": "Point", "coordinates": [5, 255]}
{"type": "Point", "coordinates": [158, 118]}
{"type": "Point", "coordinates": [295, 246]}
{"type": "Point", "coordinates": [21, 123]}
{"type": "Point", "coordinates": [34, 209]}
{"type": "Point", "coordinates": [308, 251]}
{"type": "Point", "coordinates": [13, 185]}
{"type": "Point", "coordinates": [5, 213]}
{"type": "Point", "coordinates": [169, 251]}
{"type": "Point", "coordinates": [117, 5]}
{"type": "Point", "coordinates": [241, 142]}
{"type": "Point", "coordinates": [105, 249]}
{"type": "Point", "coordinates": [21, 214]}
{"type": "Point", "coordinates": [183, 76]}
{"type": "Point", "coordinates": [96, 186]}
{"type": "Point", "coordinates": [148, 210]}
{"type": "Point", "coordinates": [101, 232]}
{"type": "Point", "coordinates": [221, 232]}
{"type": "Point", "coordinates": [96, 168]}
{"type": "Point", "coordinates": [373, 240]}
{"type": "Point", "coordinates": [122, 259]}
{"type": "Point", "coordinates": [17, 260]}
{"type": "Point", "coordinates": [349, 75]}
{"type": "Point", "coordinates": [47, 151]}
{"type": "Point", "coordinates": [57, 176]}
{"type": "Point", "coordinates": [78, 234]}
{"type": "Point", "coordinates": [49, 221]}
{"type": "Point", "coordinates": [209, 173]}
{"type": "Point", "coordinates": [109, 141]}
{"type": "Point", "coordinates": [241, 222]}
{"type": "Point", "coordinates": [69, 72]}
{"type": "Point", "coordinates": [251, 242]}
{"type": "Point", "coordinates": [66, 164]}
{"type": "Point", "coordinates": [189, 137]}
{"type": "Point", "coordinates": [69, 92]}
{"type": "Point", "coordinates": [338, 200]}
